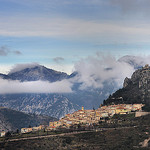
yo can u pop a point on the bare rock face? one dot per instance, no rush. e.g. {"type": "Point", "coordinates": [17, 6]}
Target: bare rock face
{"type": "Point", "coordinates": [142, 77]}
{"type": "Point", "coordinates": [135, 90]}
{"type": "Point", "coordinates": [126, 82]}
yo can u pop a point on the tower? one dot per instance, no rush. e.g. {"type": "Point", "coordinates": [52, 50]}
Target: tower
{"type": "Point", "coordinates": [82, 108]}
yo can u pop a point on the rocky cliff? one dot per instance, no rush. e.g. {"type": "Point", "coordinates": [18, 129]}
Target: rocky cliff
{"type": "Point", "coordinates": [135, 89]}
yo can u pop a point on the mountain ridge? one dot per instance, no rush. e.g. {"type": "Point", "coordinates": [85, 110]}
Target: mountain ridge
{"type": "Point", "coordinates": [37, 73]}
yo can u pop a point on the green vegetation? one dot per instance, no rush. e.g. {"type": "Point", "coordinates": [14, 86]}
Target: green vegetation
{"type": "Point", "coordinates": [18, 120]}
{"type": "Point", "coordinates": [114, 139]}
{"type": "Point", "coordinates": [126, 135]}
{"type": "Point", "coordinates": [31, 134]}
{"type": "Point", "coordinates": [118, 120]}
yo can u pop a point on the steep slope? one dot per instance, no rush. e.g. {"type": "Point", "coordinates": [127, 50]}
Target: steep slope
{"type": "Point", "coordinates": [12, 120]}
{"type": "Point", "coordinates": [37, 73]}
{"type": "Point", "coordinates": [91, 97]}
{"type": "Point", "coordinates": [54, 105]}
{"type": "Point", "coordinates": [135, 90]}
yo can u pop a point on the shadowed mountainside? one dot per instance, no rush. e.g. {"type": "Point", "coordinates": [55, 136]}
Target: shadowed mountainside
{"type": "Point", "coordinates": [12, 120]}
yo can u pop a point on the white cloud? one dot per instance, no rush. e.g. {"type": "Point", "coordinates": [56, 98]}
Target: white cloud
{"type": "Point", "coordinates": [95, 70]}
{"type": "Point", "coordinates": [5, 68]}
{"type": "Point", "coordinates": [19, 67]}
{"type": "Point", "coordinates": [74, 29]}
{"type": "Point", "coordinates": [9, 86]}
{"type": "Point", "coordinates": [68, 68]}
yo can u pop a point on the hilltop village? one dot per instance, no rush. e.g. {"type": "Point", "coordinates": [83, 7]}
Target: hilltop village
{"type": "Point", "coordinates": [88, 117]}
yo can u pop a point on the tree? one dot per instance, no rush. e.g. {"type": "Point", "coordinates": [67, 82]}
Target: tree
{"type": "Point", "coordinates": [8, 134]}
{"type": "Point", "coordinates": [17, 131]}
{"type": "Point", "coordinates": [29, 126]}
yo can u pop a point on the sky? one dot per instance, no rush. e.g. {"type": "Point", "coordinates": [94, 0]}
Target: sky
{"type": "Point", "coordinates": [59, 34]}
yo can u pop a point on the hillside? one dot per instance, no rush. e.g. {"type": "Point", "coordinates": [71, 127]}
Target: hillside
{"type": "Point", "coordinates": [128, 138]}
{"type": "Point", "coordinates": [57, 104]}
{"type": "Point", "coordinates": [135, 90]}
{"type": "Point", "coordinates": [12, 120]}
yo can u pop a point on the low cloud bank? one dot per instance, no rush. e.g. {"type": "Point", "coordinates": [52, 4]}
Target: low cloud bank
{"type": "Point", "coordinates": [10, 86]}
{"type": "Point", "coordinates": [92, 72]}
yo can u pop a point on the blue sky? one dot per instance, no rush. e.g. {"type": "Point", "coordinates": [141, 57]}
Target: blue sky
{"type": "Point", "coordinates": [44, 31]}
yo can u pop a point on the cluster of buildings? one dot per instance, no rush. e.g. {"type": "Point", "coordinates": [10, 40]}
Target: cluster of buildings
{"type": "Point", "coordinates": [27, 130]}
{"type": "Point", "coordinates": [89, 117]}
{"type": "Point", "coordinates": [86, 117]}
{"type": "Point", "coordinates": [2, 133]}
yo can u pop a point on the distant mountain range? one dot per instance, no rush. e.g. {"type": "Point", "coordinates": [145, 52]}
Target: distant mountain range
{"type": "Point", "coordinates": [11, 120]}
{"type": "Point", "coordinates": [56, 105]}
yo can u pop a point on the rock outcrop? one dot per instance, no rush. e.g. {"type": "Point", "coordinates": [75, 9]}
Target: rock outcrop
{"type": "Point", "coordinates": [135, 89]}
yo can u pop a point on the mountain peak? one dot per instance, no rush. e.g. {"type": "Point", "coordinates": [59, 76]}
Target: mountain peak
{"type": "Point", "coordinates": [37, 72]}
{"type": "Point", "coordinates": [20, 67]}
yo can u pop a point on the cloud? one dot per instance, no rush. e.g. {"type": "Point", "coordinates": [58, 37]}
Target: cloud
{"type": "Point", "coordinates": [17, 52]}
{"type": "Point", "coordinates": [94, 71]}
{"type": "Point", "coordinates": [49, 3]}
{"type": "Point", "coordinates": [4, 51]}
{"type": "Point", "coordinates": [108, 26]}
{"type": "Point", "coordinates": [58, 60]}
{"type": "Point", "coordinates": [19, 67]}
{"type": "Point", "coordinates": [97, 7]}
{"type": "Point", "coordinates": [68, 68]}
{"type": "Point", "coordinates": [134, 6]}
{"type": "Point", "coordinates": [5, 68]}
{"type": "Point", "coordinates": [74, 29]}
{"type": "Point", "coordinates": [9, 87]}
{"type": "Point", "coordinates": [136, 61]}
